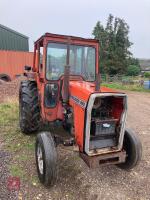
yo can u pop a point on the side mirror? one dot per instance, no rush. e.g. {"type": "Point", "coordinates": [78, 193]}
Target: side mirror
{"type": "Point", "coordinates": [27, 68]}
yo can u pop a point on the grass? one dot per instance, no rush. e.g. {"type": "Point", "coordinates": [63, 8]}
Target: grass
{"type": "Point", "coordinates": [21, 147]}
{"type": "Point", "coordinates": [125, 87]}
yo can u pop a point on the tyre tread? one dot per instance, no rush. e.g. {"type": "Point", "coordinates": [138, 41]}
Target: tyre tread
{"type": "Point", "coordinates": [29, 107]}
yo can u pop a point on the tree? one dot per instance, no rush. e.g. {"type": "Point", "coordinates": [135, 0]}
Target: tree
{"type": "Point", "coordinates": [133, 61]}
{"type": "Point", "coordinates": [133, 70]}
{"type": "Point", "coordinates": [99, 34]}
{"type": "Point", "coordinates": [147, 75]}
{"type": "Point", "coordinates": [115, 44]}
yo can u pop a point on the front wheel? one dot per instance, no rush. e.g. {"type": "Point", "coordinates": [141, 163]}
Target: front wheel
{"type": "Point", "coordinates": [46, 159]}
{"type": "Point", "coordinates": [133, 147]}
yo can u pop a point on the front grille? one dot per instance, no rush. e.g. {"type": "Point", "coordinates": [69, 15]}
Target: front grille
{"type": "Point", "coordinates": [104, 125]}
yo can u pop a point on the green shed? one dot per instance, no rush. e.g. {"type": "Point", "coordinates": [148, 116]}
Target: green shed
{"type": "Point", "coordinates": [12, 40]}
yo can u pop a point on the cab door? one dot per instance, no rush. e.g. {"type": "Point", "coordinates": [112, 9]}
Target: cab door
{"type": "Point", "coordinates": [51, 69]}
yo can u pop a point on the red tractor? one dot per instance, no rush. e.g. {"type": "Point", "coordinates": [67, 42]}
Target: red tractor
{"type": "Point", "coordinates": [63, 87]}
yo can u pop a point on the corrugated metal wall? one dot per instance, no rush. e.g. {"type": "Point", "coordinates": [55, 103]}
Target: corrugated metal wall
{"type": "Point", "coordinates": [12, 40]}
{"type": "Point", "coordinates": [12, 62]}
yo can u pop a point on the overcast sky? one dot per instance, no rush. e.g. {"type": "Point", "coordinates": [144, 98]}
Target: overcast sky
{"type": "Point", "coordinates": [77, 17]}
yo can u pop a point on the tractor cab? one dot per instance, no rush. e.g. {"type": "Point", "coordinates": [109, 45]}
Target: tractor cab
{"type": "Point", "coordinates": [53, 52]}
{"type": "Point", "coordinates": [58, 60]}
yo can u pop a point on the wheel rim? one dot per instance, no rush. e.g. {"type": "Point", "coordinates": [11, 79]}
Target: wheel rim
{"type": "Point", "coordinates": [40, 159]}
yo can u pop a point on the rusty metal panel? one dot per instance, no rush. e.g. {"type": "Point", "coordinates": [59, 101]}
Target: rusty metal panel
{"type": "Point", "coordinates": [104, 159]}
{"type": "Point", "coordinates": [12, 62]}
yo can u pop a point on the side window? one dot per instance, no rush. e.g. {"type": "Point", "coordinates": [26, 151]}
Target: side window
{"type": "Point", "coordinates": [40, 59]}
{"type": "Point", "coordinates": [91, 62]}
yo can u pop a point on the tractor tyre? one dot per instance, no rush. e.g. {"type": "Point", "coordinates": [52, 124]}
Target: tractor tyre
{"type": "Point", "coordinates": [46, 159]}
{"type": "Point", "coordinates": [133, 147]}
{"type": "Point", "coordinates": [29, 109]}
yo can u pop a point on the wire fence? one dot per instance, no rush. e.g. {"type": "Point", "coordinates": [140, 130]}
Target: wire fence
{"type": "Point", "coordinates": [125, 80]}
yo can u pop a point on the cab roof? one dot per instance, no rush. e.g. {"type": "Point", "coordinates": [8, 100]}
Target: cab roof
{"type": "Point", "coordinates": [67, 37]}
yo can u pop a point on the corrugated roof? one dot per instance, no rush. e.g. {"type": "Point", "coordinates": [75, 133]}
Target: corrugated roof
{"type": "Point", "coordinates": [11, 30]}
{"type": "Point", "coordinates": [12, 40]}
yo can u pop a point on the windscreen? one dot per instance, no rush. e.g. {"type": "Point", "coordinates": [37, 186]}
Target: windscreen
{"type": "Point", "coordinates": [81, 61]}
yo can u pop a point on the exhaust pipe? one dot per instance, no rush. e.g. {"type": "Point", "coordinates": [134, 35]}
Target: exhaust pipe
{"type": "Point", "coordinates": [97, 82]}
{"type": "Point", "coordinates": [66, 77]}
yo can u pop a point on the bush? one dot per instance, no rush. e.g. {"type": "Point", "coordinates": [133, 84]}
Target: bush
{"type": "Point", "coordinates": [133, 70]}
{"type": "Point", "coordinates": [147, 74]}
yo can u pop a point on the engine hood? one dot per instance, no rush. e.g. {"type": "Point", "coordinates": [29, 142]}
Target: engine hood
{"type": "Point", "coordinates": [80, 93]}
{"type": "Point", "coordinates": [83, 90]}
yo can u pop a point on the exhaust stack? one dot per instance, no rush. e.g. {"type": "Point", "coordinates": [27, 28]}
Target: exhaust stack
{"type": "Point", "coordinates": [97, 82]}
{"type": "Point", "coordinates": [66, 77]}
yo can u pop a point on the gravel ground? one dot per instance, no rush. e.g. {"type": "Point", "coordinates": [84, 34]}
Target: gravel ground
{"type": "Point", "coordinates": [4, 175]}
{"type": "Point", "coordinates": [77, 182]}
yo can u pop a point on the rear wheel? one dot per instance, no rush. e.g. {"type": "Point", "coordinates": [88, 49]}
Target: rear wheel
{"type": "Point", "coordinates": [5, 77]}
{"type": "Point", "coordinates": [46, 159]}
{"type": "Point", "coordinates": [29, 109]}
{"type": "Point", "coordinates": [133, 147]}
